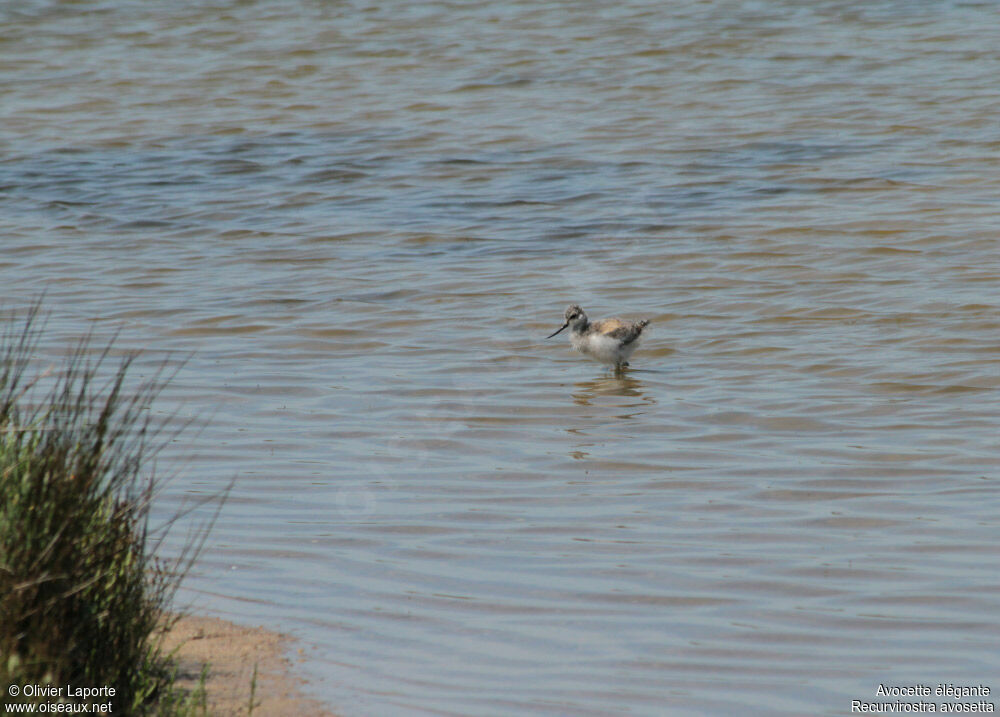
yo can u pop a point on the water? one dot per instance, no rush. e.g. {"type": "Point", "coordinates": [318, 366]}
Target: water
{"type": "Point", "coordinates": [359, 221]}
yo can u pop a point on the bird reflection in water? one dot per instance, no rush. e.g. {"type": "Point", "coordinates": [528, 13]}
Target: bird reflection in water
{"type": "Point", "coordinates": [625, 386]}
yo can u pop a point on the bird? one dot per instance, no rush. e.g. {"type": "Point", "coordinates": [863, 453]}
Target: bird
{"type": "Point", "coordinates": [610, 341]}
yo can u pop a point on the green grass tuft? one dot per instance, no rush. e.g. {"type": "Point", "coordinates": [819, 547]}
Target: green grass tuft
{"type": "Point", "coordinates": [81, 593]}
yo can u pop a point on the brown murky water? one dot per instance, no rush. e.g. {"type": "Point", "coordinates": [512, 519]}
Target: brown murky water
{"type": "Point", "coordinates": [361, 220]}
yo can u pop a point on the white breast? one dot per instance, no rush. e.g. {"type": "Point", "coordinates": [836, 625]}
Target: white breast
{"type": "Point", "coordinates": [603, 348]}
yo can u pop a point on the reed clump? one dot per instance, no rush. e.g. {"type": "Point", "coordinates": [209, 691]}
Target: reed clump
{"type": "Point", "coordinates": [82, 594]}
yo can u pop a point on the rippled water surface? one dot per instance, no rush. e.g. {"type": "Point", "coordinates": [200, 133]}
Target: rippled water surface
{"type": "Point", "coordinates": [361, 220]}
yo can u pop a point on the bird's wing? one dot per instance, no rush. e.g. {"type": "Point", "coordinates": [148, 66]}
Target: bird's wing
{"type": "Point", "coordinates": [606, 326]}
{"type": "Point", "coordinates": [624, 331]}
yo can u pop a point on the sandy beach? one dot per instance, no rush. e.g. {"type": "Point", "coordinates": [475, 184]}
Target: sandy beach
{"type": "Point", "coordinates": [231, 651]}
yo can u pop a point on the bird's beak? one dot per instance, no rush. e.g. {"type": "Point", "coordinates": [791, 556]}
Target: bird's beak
{"type": "Point", "coordinates": [563, 327]}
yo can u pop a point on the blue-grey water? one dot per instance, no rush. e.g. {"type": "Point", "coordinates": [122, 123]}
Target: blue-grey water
{"type": "Point", "coordinates": [358, 222]}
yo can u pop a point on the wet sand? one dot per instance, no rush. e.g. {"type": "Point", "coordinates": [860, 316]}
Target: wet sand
{"type": "Point", "coordinates": [231, 651]}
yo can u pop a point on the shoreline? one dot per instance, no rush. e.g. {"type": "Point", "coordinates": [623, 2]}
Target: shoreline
{"type": "Point", "coordinates": [231, 653]}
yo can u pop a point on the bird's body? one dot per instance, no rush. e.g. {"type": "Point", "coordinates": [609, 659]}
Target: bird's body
{"type": "Point", "coordinates": [610, 341]}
